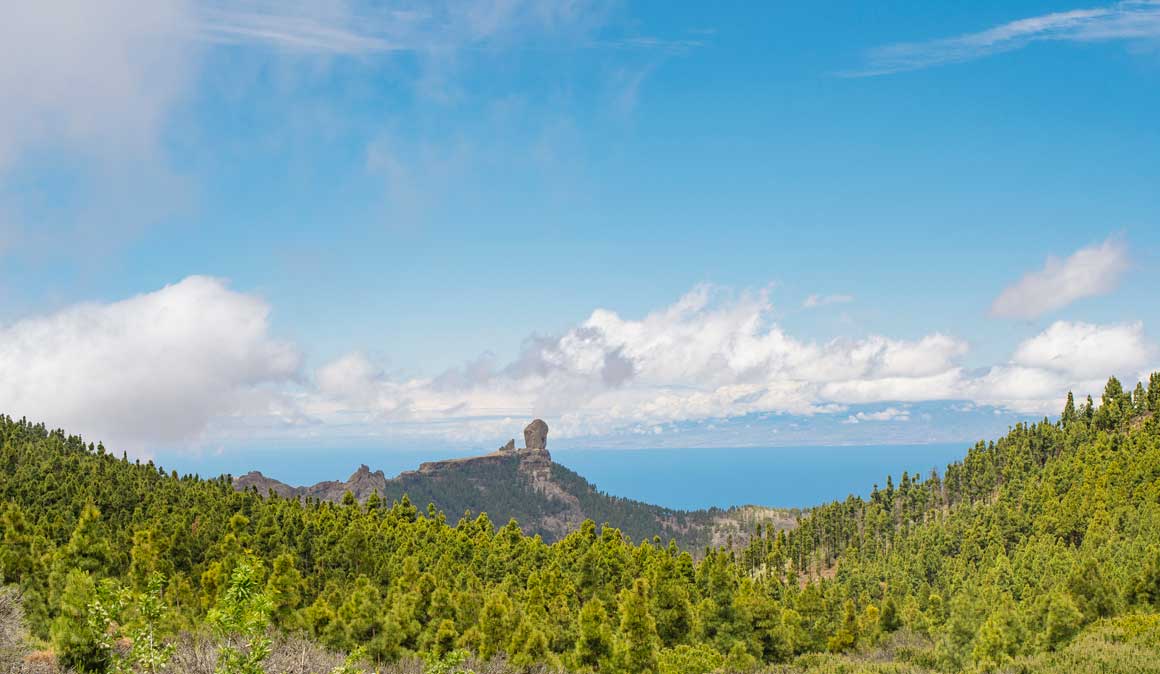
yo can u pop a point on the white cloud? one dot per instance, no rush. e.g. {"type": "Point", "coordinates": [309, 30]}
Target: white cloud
{"type": "Point", "coordinates": [1087, 350]}
{"type": "Point", "coordinates": [152, 369]}
{"type": "Point", "coordinates": [814, 301]}
{"type": "Point", "coordinates": [1135, 20]}
{"type": "Point", "coordinates": [712, 354]}
{"type": "Point", "coordinates": [888, 414]}
{"type": "Point", "coordinates": [1066, 356]}
{"type": "Point", "coordinates": [1088, 272]}
{"type": "Point", "coordinates": [194, 363]}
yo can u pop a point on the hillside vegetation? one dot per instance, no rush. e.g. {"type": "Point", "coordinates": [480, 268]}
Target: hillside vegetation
{"type": "Point", "coordinates": [1038, 552]}
{"type": "Point", "coordinates": [545, 497]}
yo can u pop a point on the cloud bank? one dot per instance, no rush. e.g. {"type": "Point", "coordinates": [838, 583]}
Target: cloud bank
{"type": "Point", "coordinates": [157, 368]}
{"type": "Point", "coordinates": [715, 354]}
{"type": "Point", "coordinates": [1089, 272]}
{"type": "Point", "coordinates": [194, 363]}
{"type": "Point", "coordinates": [1130, 20]}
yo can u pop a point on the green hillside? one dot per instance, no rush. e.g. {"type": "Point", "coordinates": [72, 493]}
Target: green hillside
{"type": "Point", "coordinates": [1038, 552]}
{"type": "Point", "coordinates": [546, 498]}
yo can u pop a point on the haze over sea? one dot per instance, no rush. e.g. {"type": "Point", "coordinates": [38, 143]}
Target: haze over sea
{"type": "Point", "coordinates": [678, 478]}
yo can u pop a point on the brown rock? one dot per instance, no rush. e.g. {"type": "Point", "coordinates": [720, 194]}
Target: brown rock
{"type": "Point", "coordinates": [536, 435]}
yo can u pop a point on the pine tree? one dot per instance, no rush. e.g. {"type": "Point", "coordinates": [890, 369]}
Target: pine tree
{"type": "Point", "coordinates": [1063, 621]}
{"type": "Point", "coordinates": [1144, 589]}
{"type": "Point", "coordinates": [1068, 416]}
{"type": "Point", "coordinates": [888, 619]}
{"type": "Point", "coordinates": [445, 638]}
{"type": "Point", "coordinates": [494, 625]}
{"type": "Point", "coordinates": [998, 640]}
{"type": "Point", "coordinates": [76, 643]}
{"type": "Point", "coordinates": [529, 646]}
{"type": "Point", "coordinates": [1139, 400]}
{"type": "Point", "coordinates": [847, 634]}
{"type": "Point", "coordinates": [594, 644]}
{"type": "Point", "coordinates": [88, 550]}
{"type": "Point", "coordinates": [284, 588]}
{"type": "Point", "coordinates": [636, 651]}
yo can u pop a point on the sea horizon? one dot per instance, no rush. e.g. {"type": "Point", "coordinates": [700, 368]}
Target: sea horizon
{"type": "Point", "coordinates": [685, 478]}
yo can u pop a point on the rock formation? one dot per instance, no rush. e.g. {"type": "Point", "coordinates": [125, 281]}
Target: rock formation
{"type": "Point", "coordinates": [536, 435]}
{"type": "Point", "coordinates": [546, 498]}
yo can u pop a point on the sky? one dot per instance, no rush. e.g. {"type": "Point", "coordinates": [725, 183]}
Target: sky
{"type": "Point", "coordinates": [236, 226]}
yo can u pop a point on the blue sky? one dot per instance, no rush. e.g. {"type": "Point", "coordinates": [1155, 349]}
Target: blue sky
{"type": "Point", "coordinates": [230, 225]}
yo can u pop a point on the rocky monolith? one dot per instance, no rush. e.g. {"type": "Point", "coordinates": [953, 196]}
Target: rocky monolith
{"type": "Point", "coordinates": [536, 435]}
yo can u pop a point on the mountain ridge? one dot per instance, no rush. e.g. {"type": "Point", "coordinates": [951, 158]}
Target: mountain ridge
{"type": "Point", "coordinates": [543, 496]}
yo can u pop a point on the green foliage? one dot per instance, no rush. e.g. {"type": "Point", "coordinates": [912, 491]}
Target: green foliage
{"type": "Point", "coordinates": [240, 620]}
{"type": "Point", "coordinates": [1014, 556]}
{"type": "Point", "coordinates": [78, 637]}
{"type": "Point", "coordinates": [594, 645]}
{"type": "Point", "coordinates": [447, 663]}
{"type": "Point", "coordinates": [1063, 621]}
{"type": "Point", "coordinates": [636, 648]}
{"type": "Point", "coordinates": [686, 659]}
{"type": "Point", "coordinates": [351, 663]}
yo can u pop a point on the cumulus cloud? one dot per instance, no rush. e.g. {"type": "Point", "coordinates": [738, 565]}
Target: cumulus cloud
{"type": "Point", "coordinates": [152, 369]}
{"type": "Point", "coordinates": [1066, 356]}
{"type": "Point", "coordinates": [715, 354]}
{"type": "Point", "coordinates": [1088, 272]}
{"type": "Point", "coordinates": [710, 354]}
{"type": "Point", "coordinates": [814, 301]}
{"type": "Point", "coordinates": [1132, 20]}
{"type": "Point", "coordinates": [195, 362]}
{"type": "Point", "coordinates": [1087, 350]}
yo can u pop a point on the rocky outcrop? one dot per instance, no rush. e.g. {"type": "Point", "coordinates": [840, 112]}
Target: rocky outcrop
{"type": "Point", "coordinates": [361, 484]}
{"type": "Point", "coordinates": [546, 498]}
{"type": "Point", "coordinates": [536, 435]}
{"type": "Point", "coordinates": [263, 485]}
{"type": "Point", "coordinates": [432, 467]}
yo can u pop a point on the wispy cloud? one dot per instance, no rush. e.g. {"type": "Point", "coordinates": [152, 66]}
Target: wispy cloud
{"type": "Point", "coordinates": [360, 28]}
{"type": "Point", "coordinates": [1131, 20]}
{"type": "Point", "coordinates": [232, 25]}
{"type": "Point", "coordinates": [814, 301]}
{"type": "Point", "coordinates": [1088, 272]}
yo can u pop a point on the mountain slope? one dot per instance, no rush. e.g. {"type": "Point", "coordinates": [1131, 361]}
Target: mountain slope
{"type": "Point", "coordinates": [544, 497]}
{"type": "Point", "coordinates": [1036, 553]}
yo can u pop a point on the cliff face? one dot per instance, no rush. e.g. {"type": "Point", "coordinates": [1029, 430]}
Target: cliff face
{"type": "Point", "coordinates": [543, 496]}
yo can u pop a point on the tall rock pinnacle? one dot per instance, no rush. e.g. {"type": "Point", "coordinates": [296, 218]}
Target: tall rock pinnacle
{"type": "Point", "coordinates": [536, 435]}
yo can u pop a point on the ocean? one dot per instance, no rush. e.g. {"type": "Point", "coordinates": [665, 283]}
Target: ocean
{"type": "Point", "coordinates": [677, 478]}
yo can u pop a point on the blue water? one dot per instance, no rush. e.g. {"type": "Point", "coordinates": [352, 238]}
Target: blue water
{"type": "Point", "coordinates": [775, 476]}
{"type": "Point", "coordinates": [677, 478]}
